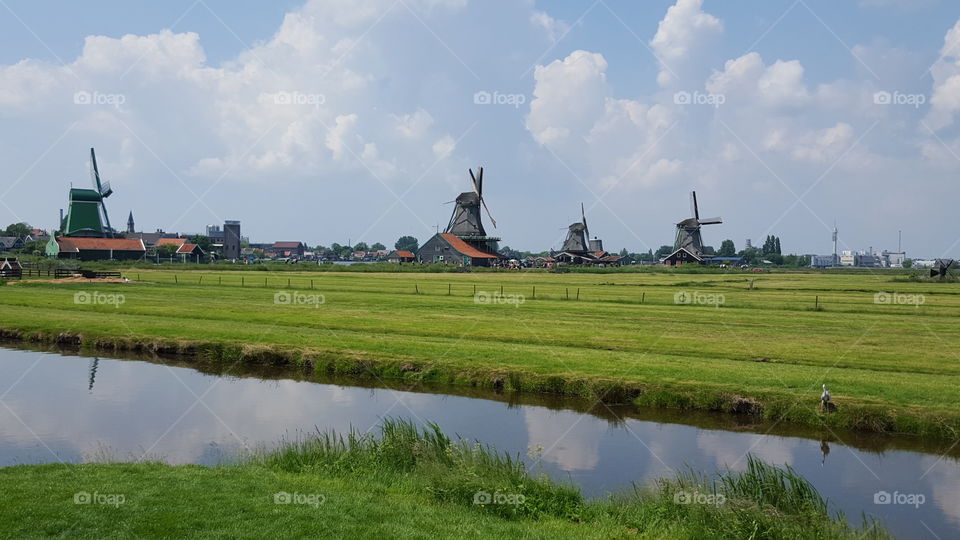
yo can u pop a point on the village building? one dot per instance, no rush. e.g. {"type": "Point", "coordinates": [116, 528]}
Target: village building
{"type": "Point", "coordinates": [447, 248]}
{"type": "Point", "coordinates": [92, 249]}
{"type": "Point", "coordinates": [682, 256]}
{"type": "Point", "coordinates": [10, 243]}
{"type": "Point", "coordinates": [10, 268]}
{"type": "Point", "coordinates": [288, 250]}
{"type": "Point", "coordinates": [401, 256]}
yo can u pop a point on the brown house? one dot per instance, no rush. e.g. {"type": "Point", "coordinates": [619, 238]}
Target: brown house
{"type": "Point", "coordinates": [94, 249]}
{"type": "Point", "coordinates": [449, 249]}
{"type": "Point", "coordinates": [288, 249]}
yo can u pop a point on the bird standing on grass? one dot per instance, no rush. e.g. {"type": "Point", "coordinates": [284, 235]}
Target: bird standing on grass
{"type": "Point", "coordinates": [825, 398]}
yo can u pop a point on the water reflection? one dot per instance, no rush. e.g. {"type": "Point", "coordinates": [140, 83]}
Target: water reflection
{"type": "Point", "coordinates": [72, 409]}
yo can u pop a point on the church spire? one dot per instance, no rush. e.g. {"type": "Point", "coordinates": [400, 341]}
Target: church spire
{"type": "Point", "coordinates": [130, 226]}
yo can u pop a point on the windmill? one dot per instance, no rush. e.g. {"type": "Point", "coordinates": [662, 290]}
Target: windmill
{"type": "Point", "coordinates": [943, 267]}
{"type": "Point", "coordinates": [578, 236]}
{"type": "Point", "coordinates": [465, 222]}
{"type": "Point", "coordinates": [87, 213]}
{"type": "Point", "coordinates": [688, 230]}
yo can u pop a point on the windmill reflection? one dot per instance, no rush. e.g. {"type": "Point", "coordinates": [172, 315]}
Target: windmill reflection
{"type": "Point", "coordinates": [93, 373]}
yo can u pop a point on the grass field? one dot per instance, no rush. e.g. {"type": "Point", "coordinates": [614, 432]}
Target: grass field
{"type": "Point", "coordinates": [891, 362]}
{"type": "Point", "coordinates": [406, 483]}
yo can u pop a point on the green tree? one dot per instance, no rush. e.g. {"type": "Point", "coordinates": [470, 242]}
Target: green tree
{"type": "Point", "coordinates": [408, 243]}
{"type": "Point", "coordinates": [663, 251]}
{"type": "Point", "coordinates": [18, 229]}
{"type": "Point", "coordinates": [361, 246]}
{"type": "Point", "coordinates": [166, 251]}
{"type": "Point", "coordinates": [907, 263]}
{"type": "Point", "coordinates": [203, 241]}
{"type": "Point", "coordinates": [750, 255]}
{"type": "Point", "coordinates": [378, 247]}
{"type": "Point", "coordinates": [727, 249]}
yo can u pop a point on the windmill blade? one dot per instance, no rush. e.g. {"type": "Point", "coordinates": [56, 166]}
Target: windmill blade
{"type": "Point", "coordinates": [476, 185]}
{"type": "Point", "coordinates": [711, 221]}
{"type": "Point", "coordinates": [693, 203]}
{"type": "Point", "coordinates": [480, 181]}
{"type": "Point", "coordinates": [94, 172]}
{"type": "Point", "coordinates": [586, 229]}
{"type": "Point", "coordinates": [484, 203]}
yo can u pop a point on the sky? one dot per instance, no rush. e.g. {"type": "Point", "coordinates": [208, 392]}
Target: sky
{"type": "Point", "coordinates": [357, 120]}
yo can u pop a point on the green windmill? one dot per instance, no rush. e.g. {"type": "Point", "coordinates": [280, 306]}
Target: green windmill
{"type": "Point", "coordinates": [86, 208]}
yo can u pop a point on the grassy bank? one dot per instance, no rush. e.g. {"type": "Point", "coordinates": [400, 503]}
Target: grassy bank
{"type": "Point", "coordinates": [774, 339]}
{"type": "Point", "coordinates": [406, 483]}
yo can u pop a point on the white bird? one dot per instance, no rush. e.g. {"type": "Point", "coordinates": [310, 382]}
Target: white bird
{"type": "Point", "coordinates": [825, 396]}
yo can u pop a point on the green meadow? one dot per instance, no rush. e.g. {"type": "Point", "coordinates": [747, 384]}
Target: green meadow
{"type": "Point", "coordinates": [888, 348]}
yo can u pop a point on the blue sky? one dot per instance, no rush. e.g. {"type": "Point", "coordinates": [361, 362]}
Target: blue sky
{"type": "Point", "coordinates": [384, 122]}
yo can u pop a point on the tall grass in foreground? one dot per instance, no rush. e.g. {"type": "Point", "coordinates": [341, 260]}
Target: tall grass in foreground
{"type": "Point", "coordinates": [764, 501]}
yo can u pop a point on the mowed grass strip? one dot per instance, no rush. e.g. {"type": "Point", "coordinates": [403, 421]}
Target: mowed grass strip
{"type": "Point", "coordinates": [765, 343]}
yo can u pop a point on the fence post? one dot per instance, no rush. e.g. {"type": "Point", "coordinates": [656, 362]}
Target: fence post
{"type": "Point", "coordinates": [449, 286]}
{"type": "Point", "coordinates": [175, 280]}
{"type": "Point", "coordinates": [816, 304]}
{"type": "Point", "coordinates": [568, 292]}
{"type": "Point", "coordinates": [416, 288]}
{"type": "Point", "coordinates": [264, 282]}
{"type": "Point", "coordinates": [501, 289]}
{"type": "Point", "coordinates": [534, 291]}
{"type": "Point", "coordinates": [288, 283]}
{"type": "Point", "coordinates": [578, 293]}
{"type": "Point", "coordinates": [201, 280]}
{"type": "Point", "coordinates": [643, 296]}
{"type": "Point", "coordinates": [311, 284]}
{"type": "Point", "coordinates": [219, 280]}
{"type": "Point", "coordinates": [241, 281]}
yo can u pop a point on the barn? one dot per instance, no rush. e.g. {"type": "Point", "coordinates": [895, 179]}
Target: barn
{"type": "Point", "coordinates": [682, 256]}
{"type": "Point", "coordinates": [447, 248]}
{"type": "Point", "coordinates": [401, 256]}
{"type": "Point", "coordinates": [94, 249]}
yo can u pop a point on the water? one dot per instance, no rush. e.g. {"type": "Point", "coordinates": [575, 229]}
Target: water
{"type": "Point", "coordinates": [68, 408]}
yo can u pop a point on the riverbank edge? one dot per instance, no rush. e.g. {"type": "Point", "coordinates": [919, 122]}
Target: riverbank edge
{"type": "Point", "coordinates": [847, 414]}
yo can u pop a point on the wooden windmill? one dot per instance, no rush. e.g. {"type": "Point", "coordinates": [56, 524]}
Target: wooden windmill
{"type": "Point", "coordinates": [465, 221]}
{"type": "Point", "coordinates": [688, 230]}
{"type": "Point", "coordinates": [87, 213]}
